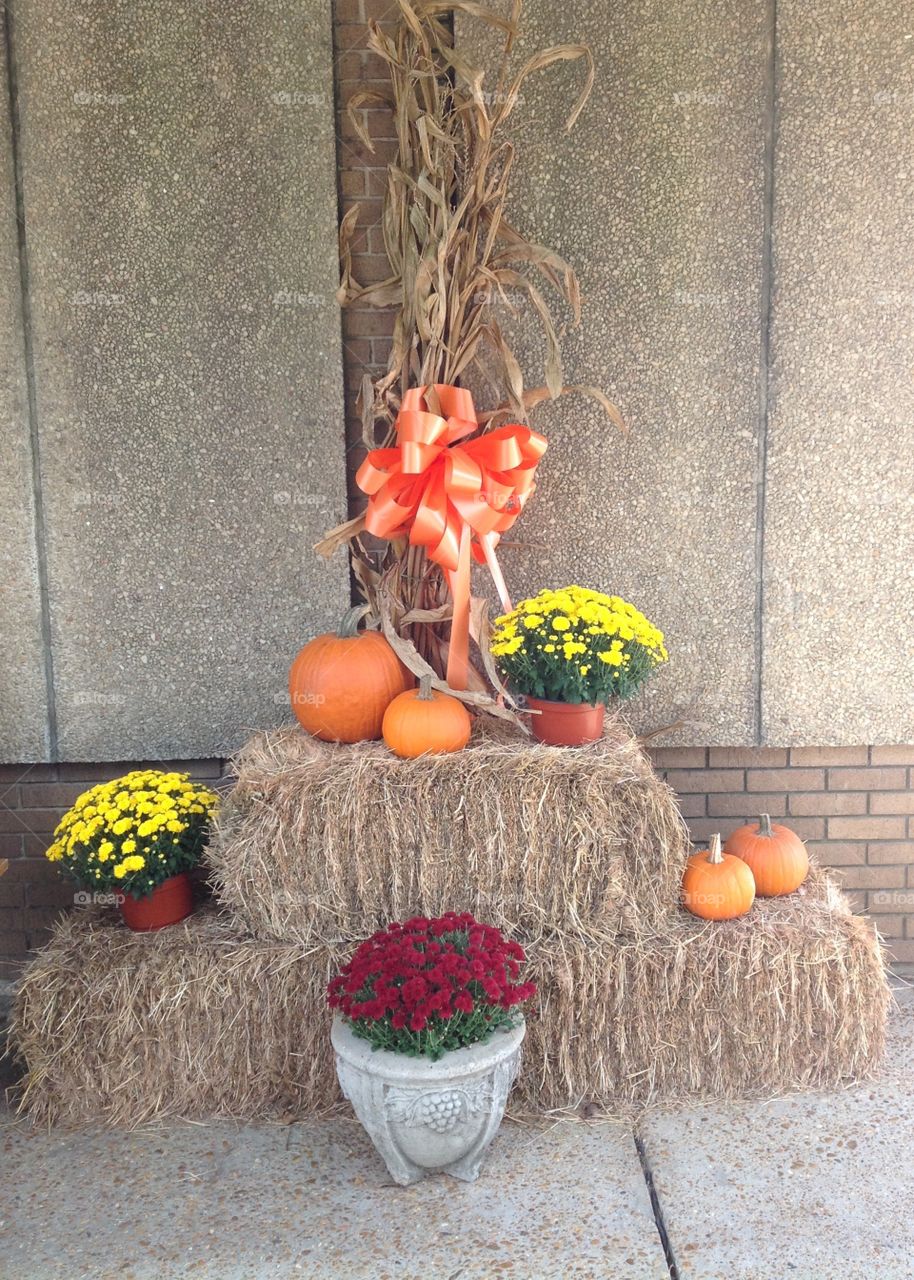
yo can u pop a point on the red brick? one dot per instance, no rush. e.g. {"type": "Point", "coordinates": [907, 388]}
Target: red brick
{"type": "Point", "coordinates": [737, 804]}
{"type": "Point", "coordinates": [866, 828]}
{"type": "Point", "coordinates": [352, 182]}
{"type": "Point", "coordinates": [891, 926]}
{"type": "Point", "coordinates": [59, 795]}
{"type": "Point", "coordinates": [702, 829]}
{"type": "Point", "coordinates": [785, 779]}
{"type": "Point", "coordinates": [11, 892]}
{"type": "Point", "coordinates": [866, 779]}
{"type": "Point", "coordinates": [380, 351]}
{"type": "Point", "coordinates": [10, 845]}
{"type": "Point", "coordinates": [827, 802]}
{"type": "Point", "coordinates": [880, 852]}
{"type": "Point", "coordinates": [678, 757]}
{"type": "Point", "coordinates": [90, 773]}
{"type": "Point", "coordinates": [829, 755]}
{"type": "Point", "coordinates": [28, 772]}
{"type": "Point", "coordinates": [353, 155]}
{"type": "Point", "coordinates": [903, 952]}
{"type": "Point", "coordinates": [888, 900]}
{"type": "Point", "coordinates": [747, 757]}
{"type": "Point", "coordinates": [348, 11]}
{"type": "Point", "coordinates": [375, 241]}
{"type": "Point", "coordinates": [892, 802]}
{"type": "Point", "coordinates": [808, 828]}
{"type": "Point", "coordinates": [692, 806]}
{"type": "Point", "coordinates": [874, 878]}
{"type": "Point", "coordinates": [29, 821]}
{"type": "Point", "coordinates": [837, 853]}
{"type": "Point", "coordinates": [909, 927]}
{"type": "Point", "coordinates": [369, 322]}
{"type": "Point", "coordinates": [57, 893]}
{"type": "Point", "coordinates": [13, 942]}
{"type": "Point", "coordinates": [893, 755]}
{"type": "Point", "coordinates": [376, 184]}
{"type": "Point", "coordinates": [35, 845]}
{"type": "Point", "coordinates": [706, 779]}
{"type": "Point", "coordinates": [40, 919]}
{"type": "Point", "coordinates": [372, 268]}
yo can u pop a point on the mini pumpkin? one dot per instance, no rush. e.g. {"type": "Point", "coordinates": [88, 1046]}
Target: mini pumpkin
{"type": "Point", "coordinates": [776, 856]}
{"type": "Point", "coordinates": [341, 684]}
{"type": "Point", "coordinates": [426, 721]}
{"type": "Point", "coordinates": [716, 885]}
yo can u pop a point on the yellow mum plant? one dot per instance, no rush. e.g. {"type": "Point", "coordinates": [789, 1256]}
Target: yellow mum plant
{"type": "Point", "coordinates": [131, 834]}
{"type": "Point", "coordinates": [576, 645]}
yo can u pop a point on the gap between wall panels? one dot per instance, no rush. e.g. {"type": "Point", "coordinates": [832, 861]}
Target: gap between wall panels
{"type": "Point", "coordinates": [767, 291]}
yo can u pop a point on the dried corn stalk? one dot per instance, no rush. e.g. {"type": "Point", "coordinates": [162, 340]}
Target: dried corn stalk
{"type": "Point", "coordinates": [453, 254]}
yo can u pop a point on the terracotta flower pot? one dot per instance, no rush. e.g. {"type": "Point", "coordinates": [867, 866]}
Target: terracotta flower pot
{"type": "Point", "coordinates": [171, 901]}
{"type": "Point", "coordinates": [566, 724]}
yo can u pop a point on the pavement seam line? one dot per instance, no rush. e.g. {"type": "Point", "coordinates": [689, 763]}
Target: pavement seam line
{"type": "Point", "coordinates": [656, 1208]}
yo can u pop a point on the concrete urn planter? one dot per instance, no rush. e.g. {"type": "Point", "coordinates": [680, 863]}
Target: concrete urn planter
{"type": "Point", "coordinates": [425, 1116]}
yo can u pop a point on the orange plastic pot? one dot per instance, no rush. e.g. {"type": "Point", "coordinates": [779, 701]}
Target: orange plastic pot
{"type": "Point", "coordinates": [172, 901]}
{"type": "Point", "coordinates": [566, 724]}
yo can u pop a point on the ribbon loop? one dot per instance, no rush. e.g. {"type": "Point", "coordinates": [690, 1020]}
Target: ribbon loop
{"type": "Point", "coordinates": [453, 495]}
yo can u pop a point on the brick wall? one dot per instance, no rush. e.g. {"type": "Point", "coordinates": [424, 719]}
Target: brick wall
{"type": "Point", "coordinates": [854, 806]}
{"type": "Point", "coordinates": [362, 178]}
{"type": "Point", "coordinates": [33, 798]}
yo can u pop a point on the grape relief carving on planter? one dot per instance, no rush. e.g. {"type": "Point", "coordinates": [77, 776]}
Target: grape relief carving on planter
{"type": "Point", "coordinates": [440, 1110]}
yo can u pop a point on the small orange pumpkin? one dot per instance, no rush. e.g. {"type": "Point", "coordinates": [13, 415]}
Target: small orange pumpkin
{"type": "Point", "coordinates": [426, 721]}
{"type": "Point", "coordinates": [717, 886]}
{"type": "Point", "coordinates": [775, 855]}
{"type": "Point", "coordinates": [341, 684]}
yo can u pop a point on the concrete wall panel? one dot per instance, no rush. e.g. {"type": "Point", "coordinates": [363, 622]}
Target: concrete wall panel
{"type": "Point", "coordinates": [179, 187]}
{"type": "Point", "coordinates": [657, 199]}
{"type": "Point", "coordinates": [23, 687]}
{"type": "Point", "coordinates": [839, 525]}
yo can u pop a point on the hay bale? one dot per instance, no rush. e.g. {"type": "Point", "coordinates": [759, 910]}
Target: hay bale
{"type": "Point", "coordinates": [322, 841]}
{"type": "Point", "coordinates": [199, 1020]}
{"type": "Point", "coordinates": [792, 996]}
{"type": "Point", "coordinates": [195, 1020]}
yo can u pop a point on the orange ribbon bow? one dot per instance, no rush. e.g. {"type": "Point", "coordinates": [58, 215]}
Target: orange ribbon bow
{"type": "Point", "coordinates": [452, 495]}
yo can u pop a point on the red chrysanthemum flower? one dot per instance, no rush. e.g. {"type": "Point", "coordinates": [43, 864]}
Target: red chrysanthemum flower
{"type": "Point", "coordinates": [426, 986]}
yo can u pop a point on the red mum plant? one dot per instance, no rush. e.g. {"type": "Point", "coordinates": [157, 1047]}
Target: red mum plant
{"type": "Point", "coordinates": [429, 986]}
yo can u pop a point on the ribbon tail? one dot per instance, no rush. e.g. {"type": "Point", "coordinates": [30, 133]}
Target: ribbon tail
{"type": "Point", "coordinates": [488, 546]}
{"type": "Point", "coordinates": [459, 579]}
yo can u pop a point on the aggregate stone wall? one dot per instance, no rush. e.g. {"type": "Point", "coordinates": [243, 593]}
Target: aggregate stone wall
{"type": "Point", "coordinates": [736, 198]}
{"type": "Point", "coordinates": [839, 510]}
{"type": "Point", "coordinates": [178, 185]}
{"type": "Point", "coordinates": [23, 688]}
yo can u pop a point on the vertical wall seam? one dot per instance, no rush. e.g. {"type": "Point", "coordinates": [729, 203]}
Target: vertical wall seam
{"type": "Point", "coordinates": [767, 288]}
{"type": "Point", "coordinates": [41, 557]}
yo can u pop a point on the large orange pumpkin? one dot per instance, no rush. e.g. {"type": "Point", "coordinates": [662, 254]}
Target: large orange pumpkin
{"type": "Point", "coordinates": [341, 684]}
{"type": "Point", "coordinates": [426, 721]}
{"type": "Point", "coordinates": [775, 855]}
{"type": "Point", "coordinates": [717, 886]}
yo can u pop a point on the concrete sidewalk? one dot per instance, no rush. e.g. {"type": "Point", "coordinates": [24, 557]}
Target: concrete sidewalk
{"type": "Point", "coordinates": [811, 1187]}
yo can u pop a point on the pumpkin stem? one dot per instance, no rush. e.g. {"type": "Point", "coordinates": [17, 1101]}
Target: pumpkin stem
{"type": "Point", "coordinates": [349, 626]}
{"type": "Point", "coordinates": [425, 689]}
{"type": "Point", "coordinates": [714, 853]}
{"type": "Point", "coordinates": [764, 825]}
